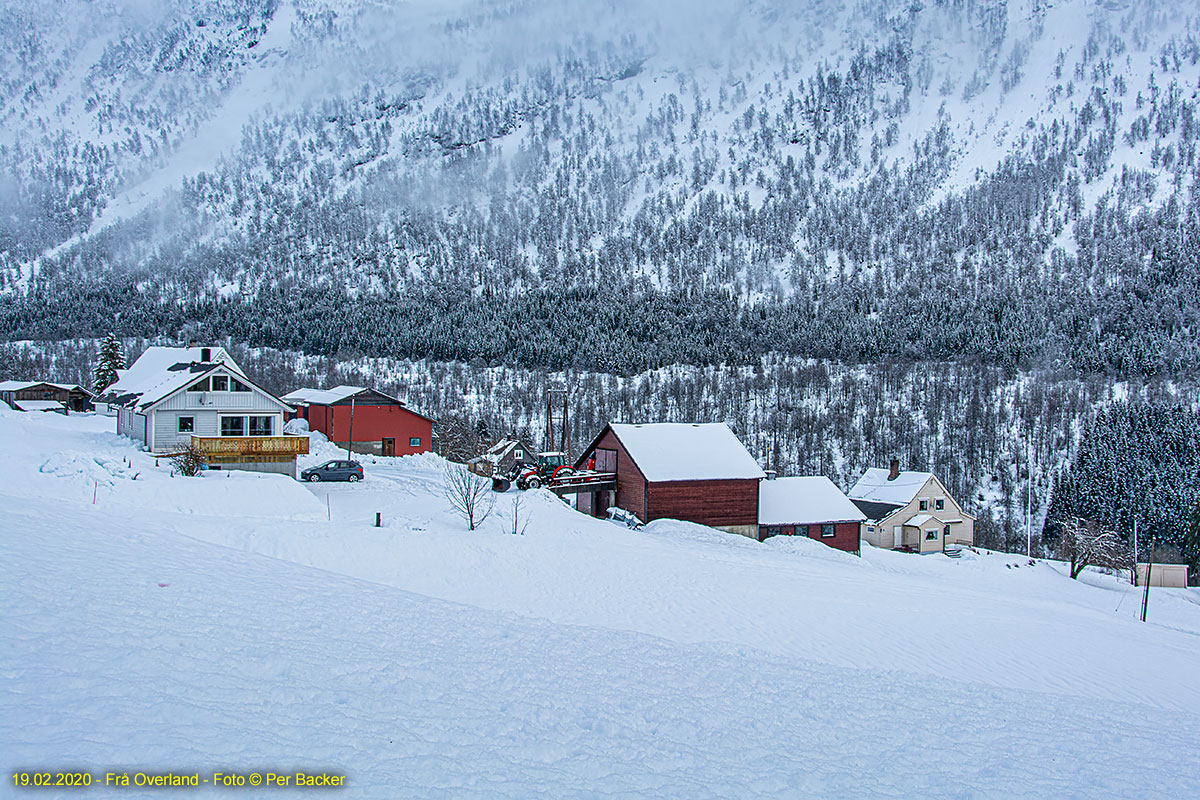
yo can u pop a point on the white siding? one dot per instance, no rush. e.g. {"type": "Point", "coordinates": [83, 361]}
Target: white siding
{"type": "Point", "coordinates": [166, 427]}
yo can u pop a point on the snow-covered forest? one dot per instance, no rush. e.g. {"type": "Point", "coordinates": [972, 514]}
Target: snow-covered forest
{"type": "Point", "coordinates": [948, 231]}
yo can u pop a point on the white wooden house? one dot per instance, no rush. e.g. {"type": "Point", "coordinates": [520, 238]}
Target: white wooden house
{"type": "Point", "coordinates": [910, 511]}
{"type": "Point", "coordinates": [175, 396]}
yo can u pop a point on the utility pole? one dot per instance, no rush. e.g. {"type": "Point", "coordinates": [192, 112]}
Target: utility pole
{"type": "Point", "coordinates": [1149, 570]}
{"type": "Point", "coordinates": [1029, 500]}
{"type": "Point", "coordinates": [1135, 552]}
{"type": "Point", "coordinates": [351, 442]}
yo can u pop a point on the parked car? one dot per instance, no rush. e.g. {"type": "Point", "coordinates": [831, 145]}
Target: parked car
{"type": "Point", "coordinates": [334, 471]}
{"type": "Point", "coordinates": [622, 517]}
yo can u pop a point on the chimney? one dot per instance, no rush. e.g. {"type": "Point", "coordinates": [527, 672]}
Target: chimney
{"type": "Point", "coordinates": [770, 474]}
{"type": "Point", "coordinates": [894, 472]}
{"type": "Point", "coordinates": [205, 354]}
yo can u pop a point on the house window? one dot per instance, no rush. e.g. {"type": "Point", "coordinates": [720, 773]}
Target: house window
{"type": "Point", "coordinates": [939, 504]}
{"type": "Point", "coordinates": [415, 441]}
{"type": "Point", "coordinates": [870, 529]}
{"type": "Point", "coordinates": [946, 531]}
{"type": "Point", "coordinates": [826, 531]}
{"type": "Point", "coordinates": [772, 531]}
{"type": "Point", "coordinates": [924, 505]}
{"type": "Point", "coordinates": [199, 386]}
{"type": "Point", "coordinates": [186, 424]}
{"type": "Point", "coordinates": [261, 426]}
{"type": "Point", "coordinates": [237, 386]}
{"type": "Point", "coordinates": [233, 426]}
{"type": "Point", "coordinates": [517, 454]}
{"type": "Point", "coordinates": [931, 536]}
{"type": "Point", "coordinates": [220, 383]}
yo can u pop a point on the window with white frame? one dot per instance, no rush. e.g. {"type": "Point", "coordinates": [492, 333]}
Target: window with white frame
{"type": "Point", "coordinates": [924, 505]}
{"type": "Point", "coordinates": [186, 424]}
{"type": "Point", "coordinates": [939, 504]}
{"type": "Point", "coordinates": [414, 441]}
{"type": "Point", "coordinates": [233, 426]}
{"type": "Point", "coordinates": [827, 531]}
{"type": "Point", "coordinates": [931, 535]}
{"type": "Point", "coordinates": [237, 386]}
{"type": "Point", "coordinates": [262, 426]}
{"type": "Point", "coordinates": [220, 383]}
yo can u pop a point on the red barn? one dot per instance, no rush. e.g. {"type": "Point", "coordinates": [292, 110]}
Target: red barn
{"type": "Point", "coordinates": [364, 420]}
{"type": "Point", "coordinates": [809, 506]}
{"type": "Point", "coordinates": [695, 472]}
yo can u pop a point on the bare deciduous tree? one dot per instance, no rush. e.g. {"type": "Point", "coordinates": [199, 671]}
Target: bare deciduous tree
{"type": "Point", "coordinates": [470, 495]}
{"type": "Point", "coordinates": [519, 519]}
{"type": "Point", "coordinates": [1084, 543]}
{"type": "Point", "coordinates": [188, 461]}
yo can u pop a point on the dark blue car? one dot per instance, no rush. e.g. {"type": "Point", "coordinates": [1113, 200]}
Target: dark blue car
{"type": "Point", "coordinates": [334, 471]}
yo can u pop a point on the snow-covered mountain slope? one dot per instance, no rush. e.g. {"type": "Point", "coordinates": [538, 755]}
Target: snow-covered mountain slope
{"type": "Point", "coordinates": [901, 174]}
{"type": "Point", "coordinates": [580, 658]}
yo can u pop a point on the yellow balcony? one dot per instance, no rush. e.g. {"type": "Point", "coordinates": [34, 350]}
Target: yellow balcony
{"type": "Point", "coordinates": [225, 446]}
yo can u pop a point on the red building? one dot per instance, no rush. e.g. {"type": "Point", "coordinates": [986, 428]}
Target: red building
{"type": "Point", "coordinates": [809, 506]}
{"type": "Point", "coordinates": [364, 420]}
{"type": "Point", "coordinates": [693, 472]}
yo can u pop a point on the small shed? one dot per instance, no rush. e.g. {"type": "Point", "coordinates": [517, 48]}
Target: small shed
{"type": "Point", "coordinates": [502, 457]}
{"type": "Point", "coordinates": [809, 506]}
{"type": "Point", "coordinates": [697, 472]}
{"type": "Point", "coordinates": [1171, 576]}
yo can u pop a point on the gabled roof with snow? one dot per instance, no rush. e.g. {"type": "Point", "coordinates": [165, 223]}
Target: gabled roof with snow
{"type": "Point", "coordinates": [806, 500]}
{"type": "Point", "coordinates": [680, 451]}
{"type": "Point", "coordinates": [19, 386]}
{"type": "Point", "coordinates": [875, 486]}
{"type": "Point", "coordinates": [161, 371]}
{"type": "Point", "coordinates": [324, 397]}
{"type": "Point", "coordinates": [499, 451]}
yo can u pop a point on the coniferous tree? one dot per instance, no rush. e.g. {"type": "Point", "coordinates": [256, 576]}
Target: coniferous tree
{"type": "Point", "coordinates": [110, 359]}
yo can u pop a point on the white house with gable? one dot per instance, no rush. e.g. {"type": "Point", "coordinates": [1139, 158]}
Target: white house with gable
{"type": "Point", "coordinates": [910, 511]}
{"type": "Point", "coordinates": [175, 396]}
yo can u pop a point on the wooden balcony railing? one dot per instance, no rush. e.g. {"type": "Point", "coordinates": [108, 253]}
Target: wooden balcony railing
{"type": "Point", "coordinates": [251, 445]}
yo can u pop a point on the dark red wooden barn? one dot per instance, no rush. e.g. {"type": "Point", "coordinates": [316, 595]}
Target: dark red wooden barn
{"type": "Point", "coordinates": [365, 420]}
{"type": "Point", "coordinates": [695, 472]}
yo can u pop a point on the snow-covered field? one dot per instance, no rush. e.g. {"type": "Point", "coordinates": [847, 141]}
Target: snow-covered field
{"type": "Point", "coordinates": [242, 623]}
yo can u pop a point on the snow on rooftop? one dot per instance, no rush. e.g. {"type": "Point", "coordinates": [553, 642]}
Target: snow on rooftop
{"type": "Point", "coordinates": [680, 451]}
{"type": "Point", "coordinates": [323, 397]}
{"type": "Point", "coordinates": [875, 487]}
{"type": "Point", "coordinates": [17, 386]}
{"type": "Point", "coordinates": [806, 500]}
{"type": "Point", "coordinates": [39, 405]}
{"type": "Point", "coordinates": [159, 371]}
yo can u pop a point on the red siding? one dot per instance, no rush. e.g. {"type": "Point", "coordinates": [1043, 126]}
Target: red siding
{"type": "Point", "coordinates": [845, 534]}
{"type": "Point", "coordinates": [631, 485]}
{"type": "Point", "coordinates": [719, 503]}
{"type": "Point", "coordinates": [373, 424]}
{"type": "Point", "coordinates": [716, 502]}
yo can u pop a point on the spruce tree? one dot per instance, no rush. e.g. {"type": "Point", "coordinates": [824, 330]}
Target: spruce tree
{"type": "Point", "coordinates": [111, 359]}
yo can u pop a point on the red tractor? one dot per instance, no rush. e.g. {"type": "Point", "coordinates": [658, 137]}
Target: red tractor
{"type": "Point", "coordinates": [549, 467]}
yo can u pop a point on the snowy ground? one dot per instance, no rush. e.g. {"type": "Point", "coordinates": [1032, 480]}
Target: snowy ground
{"type": "Point", "coordinates": [223, 623]}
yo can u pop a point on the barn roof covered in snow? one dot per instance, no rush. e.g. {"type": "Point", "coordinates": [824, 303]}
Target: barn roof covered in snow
{"type": "Point", "coordinates": [681, 451]}
{"type": "Point", "coordinates": [805, 500]}
{"type": "Point", "coordinates": [875, 486]}
{"type": "Point", "coordinates": [324, 397]}
{"type": "Point", "coordinates": [20, 386]}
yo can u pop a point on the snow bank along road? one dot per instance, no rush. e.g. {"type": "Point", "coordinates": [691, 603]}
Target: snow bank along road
{"type": "Point", "coordinates": [222, 624]}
